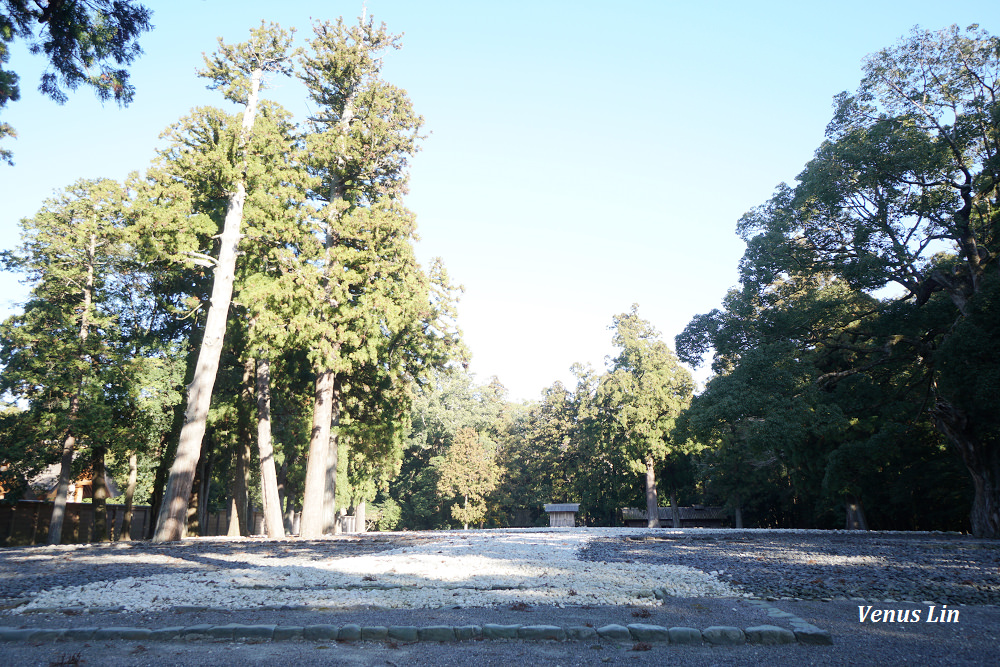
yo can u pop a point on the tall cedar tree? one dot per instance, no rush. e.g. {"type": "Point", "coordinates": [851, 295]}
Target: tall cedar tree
{"type": "Point", "coordinates": [644, 392]}
{"type": "Point", "coordinates": [238, 70]}
{"type": "Point", "coordinates": [362, 135]}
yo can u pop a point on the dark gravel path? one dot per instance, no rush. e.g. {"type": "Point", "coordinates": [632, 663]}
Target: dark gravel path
{"type": "Point", "coordinates": [818, 565]}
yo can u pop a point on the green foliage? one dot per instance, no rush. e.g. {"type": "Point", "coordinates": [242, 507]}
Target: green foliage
{"type": "Point", "coordinates": [231, 67]}
{"type": "Point", "coordinates": [84, 42]}
{"type": "Point", "coordinates": [444, 406]}
{"type": "Point", "coordinates": [386, 514]}
{"type": "Point", "coordinates": [827, 386]}
{"type": "Point", "coordinates": [83, 337]}
{"type": "Point", "coordinates": [642, 394]}
{"type": "Point", "coordinates": [469, 473]}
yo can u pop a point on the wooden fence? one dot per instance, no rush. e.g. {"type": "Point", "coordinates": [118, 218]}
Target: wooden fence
{"type": "Point", "coordinates": [27, 522]}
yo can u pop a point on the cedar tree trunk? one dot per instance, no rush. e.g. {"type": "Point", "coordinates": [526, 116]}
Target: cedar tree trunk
{"type": "Point", "coordinates": [69, 444]}
{"type": "Point", "coordinates": [99, 490]}
{"type": "Point", "coordinates": [652, 506]}
{"type": "Point", "coordinates": [360, 516]}
{"type": "Point", "coordinates": [170, 524]}
{"type": "Point", "coordinates": [268, 477]}
{"type": "Point", "coordinates": [311, 525]}
{"type": "Point", "coordinates": [133, 476]}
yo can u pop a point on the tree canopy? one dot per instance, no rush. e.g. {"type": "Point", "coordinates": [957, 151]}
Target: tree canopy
{"type": "Point", "coordinates": [87, 43]}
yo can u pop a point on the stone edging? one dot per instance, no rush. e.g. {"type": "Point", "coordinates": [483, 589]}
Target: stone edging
{"type": "Point", "coordinates": [803, 633]}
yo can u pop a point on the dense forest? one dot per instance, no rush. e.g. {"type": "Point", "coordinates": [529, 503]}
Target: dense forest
{"type": "Point", "coordinates": [245, 325]}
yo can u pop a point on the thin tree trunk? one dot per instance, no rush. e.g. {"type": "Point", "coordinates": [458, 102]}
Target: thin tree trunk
{"type": "Point", "coordinates": [282, 480]}
{"type": "Point", "coordinates": [191, 520]}
{"type": "Point", "coordinates": [674, 509]}
{"type": "Point", "coordinates": [311, 525]}
{"type": "Point", "coordinates": [238, 497]}
{"type": "Point", "coordinates": [855, 513]}
{"type": "Point", "coordinates": [159, 481]}
{"type": "Point", "coordinates": [652, 504]}
{"type": "Point", "coordinates": [99, 490]}
{"type": "Point", "coordinates": [238, 524]}
{"type": "Point", "coordinates": [133, 476]}
{"type": "Point", "coordinates": [332, 462]}
{"type": "Point", "coordinates": [738, 511]}
{"type": "Point", "coordinates": [69, 444]}
{"type": "Point", "coordinates": [198, 504]}
{"type": "Point", "coordinates": [206, 490]}
{"type": "Point", "coordinates": [291, 494]}
{"type": "Point", "coordinates": [465, 506]}
{"type": "Point", "coordinates": [360, 516]}
{"type": "Point", "coordinates": [268, 477]}
{"type": "Point", "coordinates": [62, 489]}
{"type": "Point", "coordinates": [170, 523]}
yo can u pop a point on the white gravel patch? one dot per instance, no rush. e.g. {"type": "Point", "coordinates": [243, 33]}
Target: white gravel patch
{"type": "Point", "coordinates": [466, 568]}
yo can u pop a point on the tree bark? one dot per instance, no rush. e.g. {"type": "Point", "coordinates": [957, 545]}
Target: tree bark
{"type": "Point", "coordinates": [206, 489]}
{"type": "Point", "coordinates": [268, 477]}
{"type": "Point", "coordinates": [981, 459]}
{"type": "Point", "coordinates": [191, 520]}
{"type": "Point", "coordinates": [99, 490]}
{"type": "Point", "coordinates": [360, 516]}
{"type": "Point", "coordinates": [738, 511]}
{"type": "Point", "coordinates": [133, 476]}
{"type": "Point", "coordinates": [282, 479]}
{"type": "Point", "coordinates": [332, 462]}
{"type": "Point", "coordinates": [159, 479]}
{"type": "Point", "coordinates": [69, 443]}
{"type": "Point", "coordinates": [675, 511]}
{"type": "Point", "coordinates": [62, 488]}
{"type": "Point", "coordinates": [170, 524]}
{"type": "Point", "coordinates": [238, 524]}
{"type": "Point", "coordinates": [652, 503]}
{"type": "Point", "coordinates": [311, 525]}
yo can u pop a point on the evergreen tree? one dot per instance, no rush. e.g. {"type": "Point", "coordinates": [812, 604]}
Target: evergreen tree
{"type": "Point", "coordinates": [904, 192]}
{"type": "Point", "coordinates": [639, 398]}
{"type": "Point", "coordinates": [80, 40]}
{"type": "Point", "coordinates": [238, 71]}
{"type": "Point", "coordinates": [360, 139]}
{"type": "Point", "coordinates": [56, 353]}
{"type": "Point", "coordinates": [468, 471]}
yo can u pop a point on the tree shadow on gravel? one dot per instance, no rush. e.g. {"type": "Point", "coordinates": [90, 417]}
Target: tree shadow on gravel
{"type": "Point", "coordinates": [943, 568]}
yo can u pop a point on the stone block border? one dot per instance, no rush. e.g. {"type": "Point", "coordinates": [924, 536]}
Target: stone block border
{"type": "Point", "coordinates": [804, 633]}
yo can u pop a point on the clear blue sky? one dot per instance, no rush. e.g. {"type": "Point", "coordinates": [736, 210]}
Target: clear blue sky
{"type": "Point", "coordinates": [582, 156]}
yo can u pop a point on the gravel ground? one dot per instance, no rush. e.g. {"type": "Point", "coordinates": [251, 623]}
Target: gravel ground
{"type": "Point", "coordinates": [817, 565]}
{"type": "Point", "coordinates": [815, 569]}
{"type": "Point", "coordinates": [443, 569]}
{"type": "Point", "coordinates": [25, 570]}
